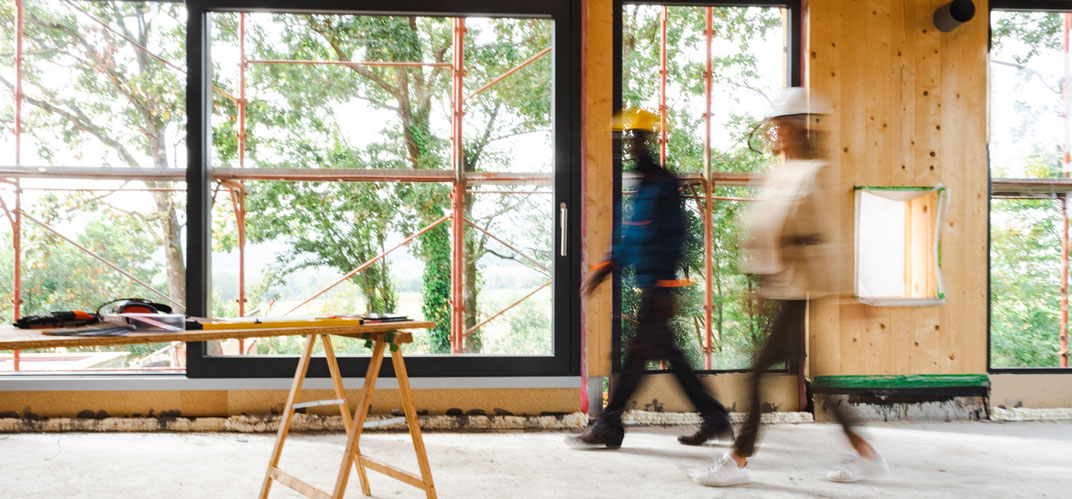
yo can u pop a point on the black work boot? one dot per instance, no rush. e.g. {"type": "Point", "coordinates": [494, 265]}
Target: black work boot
{"type": "Point", "coordinates": [711, 427]}
{"type": "Point", "coordinates": [608, 432]}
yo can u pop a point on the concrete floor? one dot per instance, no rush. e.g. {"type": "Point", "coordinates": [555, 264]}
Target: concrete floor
{"type": "Point", "coordinates": [926, 459]}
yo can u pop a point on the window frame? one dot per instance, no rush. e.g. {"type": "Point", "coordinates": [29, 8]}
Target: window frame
{"type": "Point", "coordinates": [565, 359]}
{"type": "Point", "coordinates": [1013, 6]}
{"type": "Point", "coordinates": [794, 72]}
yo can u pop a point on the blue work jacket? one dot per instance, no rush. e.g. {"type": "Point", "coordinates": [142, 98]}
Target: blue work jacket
{"type": "Point", "coordinates": [654, 236]}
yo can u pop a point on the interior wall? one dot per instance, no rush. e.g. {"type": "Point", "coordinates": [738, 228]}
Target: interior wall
{"type": "Point", "coordinates": [1035, 391]}
{"type": "Point", "coordinates": [909, 110]}
{"type": "Point", "coordinates": [662, 393]}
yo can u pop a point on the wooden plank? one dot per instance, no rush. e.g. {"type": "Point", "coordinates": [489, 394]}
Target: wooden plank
{"type": "Point", "coordinates": [12, 338]}
{"type": "Point", "coordinates": [288, 414]}
{"type": "Point", "coordinates": [336, 381]}
{"type": "Point", "coordinates": [974, 79]}
{"type": "Point", "coordinates": [413, 422]}
{"type": "Point", "coordinates": [956, 232]}
{"type": "Point", "coordinates": [298, 485]}
{"type": "Point", "coordinates": [920, 272]}
{"type": "Point", "coordinates": [826, 76]}
{"type": "Point", "coordinates": [973, 190]}
{"type": "Point", "coordinates": [393, 472]}
{"type": "Point", "coordinates": [597, 96]}
{"type": "Point", "coordinates": [354, 435]}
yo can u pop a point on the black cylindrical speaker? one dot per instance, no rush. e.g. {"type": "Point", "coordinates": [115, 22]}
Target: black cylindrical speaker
{"type": "Point", "coordinates": [953, 14]}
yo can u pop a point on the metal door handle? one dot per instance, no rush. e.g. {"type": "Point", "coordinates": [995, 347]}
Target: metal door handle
{"type": "Point", "coordinates": [562, 218]}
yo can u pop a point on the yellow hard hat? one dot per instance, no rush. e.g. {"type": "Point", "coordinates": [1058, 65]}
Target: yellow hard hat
{"type": "Point", "coordinates": [635, 118]}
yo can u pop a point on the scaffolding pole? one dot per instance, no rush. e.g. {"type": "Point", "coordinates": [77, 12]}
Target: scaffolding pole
{"type": "Point", "coordinates": [708, 186]}
{"type": "Point", "coordinates": [662, 84]}
{"type": "Point", "coordinates": [242, 90]}
{"type": "Point", "coordinates": [1066, 158]}
{"type": "Point", "coordinates": [457, 273]}
{"type": "Point", "coordinates": [16, 234]}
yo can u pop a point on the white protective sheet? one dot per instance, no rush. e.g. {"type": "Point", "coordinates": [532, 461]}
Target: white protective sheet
{"type": "Point", "coordinates": [880, 245]}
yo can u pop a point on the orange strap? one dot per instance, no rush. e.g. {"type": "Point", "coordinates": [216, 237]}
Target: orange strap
{"type": "Point", "coordinates": [604, 263]}
{"type": "Point", "coordinates": [673, 283]}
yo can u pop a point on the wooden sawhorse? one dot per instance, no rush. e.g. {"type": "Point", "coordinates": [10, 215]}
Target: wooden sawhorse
{"type": "Point", "coordinates": [354, 425]}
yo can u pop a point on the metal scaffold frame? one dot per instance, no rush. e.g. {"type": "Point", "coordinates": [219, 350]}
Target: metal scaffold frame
{"type": "Point", "coordinates": [233, 179]}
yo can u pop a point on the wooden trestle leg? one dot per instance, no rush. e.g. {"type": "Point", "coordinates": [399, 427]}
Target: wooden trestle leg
{"type": "Point", "coordinates": [353, 424]}
{"type": "Point", "coordinates": [411, 420]}
{"type": "Point", "coordinates": [288, 414]}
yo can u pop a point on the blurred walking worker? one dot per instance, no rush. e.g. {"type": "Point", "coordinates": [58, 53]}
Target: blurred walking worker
{"type": "Point", "coordinates": [790, 245]}
{"type": "Point", "coordinates": [652, 244]}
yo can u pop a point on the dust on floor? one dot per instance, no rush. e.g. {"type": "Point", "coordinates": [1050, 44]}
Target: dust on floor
{"type": "Point", "coordinates": [977, 459]}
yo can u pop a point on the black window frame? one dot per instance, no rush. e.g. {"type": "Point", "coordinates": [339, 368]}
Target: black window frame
{"type": "Point", "coordinates": [793, 61]}
{"type": "Point", "coordinates": [1022, 6]}
{"type": "Point", "coordinates": [565, 360]}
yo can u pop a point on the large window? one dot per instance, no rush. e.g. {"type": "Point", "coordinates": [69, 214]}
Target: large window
{"type": "Point", "coordinates": [92, 168]}
{"type": "Point", "coordinates": [710, 72]}
{"type": "Point", "coordinates": [339, 163]}
{"type": "Point", "coordinates": [1029, 168]}
{"type": "Point", "coordinates": [368, 162]}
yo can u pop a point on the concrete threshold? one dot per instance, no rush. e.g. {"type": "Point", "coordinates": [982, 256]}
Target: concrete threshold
{"type": "Point", "coordinates": [315, 423]}
{"type": "Point", "coordinates": [1026, 414]}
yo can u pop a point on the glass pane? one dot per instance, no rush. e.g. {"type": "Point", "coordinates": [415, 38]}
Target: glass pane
{"type": "Point", "coordinates": [507, 124]}
{"type": "Point", "coordinates": [1025, 282]}
{"type": "Point", "coordinates": [303, 237]}
{"type": "Point", "coordinates": [748, 63]}
{"type": "Point", "coordinates": [1028, 139]}
{"type": "Point", "coordinates": [7, 84]}
{"type": "Point", "coordinates": [125, 223]}
{"type": "Point", "coordinates": [104, 84]}
{"type": "Point", "coordinates": [1027, 113]}
{"type": "Point", "coordinates": [373, 93]}
{"type": "Point", "coordinates": [333, 91]}
{"type": "Point", "coordinates": [748, 71]}
{"type": "Point", "coordinates": [511, 242]}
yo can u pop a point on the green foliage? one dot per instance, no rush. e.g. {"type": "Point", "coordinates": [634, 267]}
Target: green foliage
{"type": "Point", "coordinates": [1025, 280]}
{"type": "Point", "coordinates": [1029, 32]}
{"type": "Point", "coordinates": [436, 293]}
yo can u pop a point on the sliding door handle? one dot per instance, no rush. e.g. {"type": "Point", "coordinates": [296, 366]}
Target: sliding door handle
{"type": "Point", "coordinates": [562, 225]}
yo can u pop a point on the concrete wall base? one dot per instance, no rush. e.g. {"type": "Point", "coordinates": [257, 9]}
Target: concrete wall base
{"type": "Point", "coordinates": [901, 408]}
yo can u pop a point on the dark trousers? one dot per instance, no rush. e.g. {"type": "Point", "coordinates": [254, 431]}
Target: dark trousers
{"type": "Point", "coordinates": [783, 345]}
{"type": "Point", "coordinates": [654, 341]}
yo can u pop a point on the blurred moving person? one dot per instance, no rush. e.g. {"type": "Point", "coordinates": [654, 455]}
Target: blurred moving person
{"type": "Point", "coordinates": [790, 245]}
{"type": "Point", "coordinates": [653, 243]}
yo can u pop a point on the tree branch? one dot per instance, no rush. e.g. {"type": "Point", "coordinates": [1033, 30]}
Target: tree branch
{"type": "Point", "coordinates": [81, 122]}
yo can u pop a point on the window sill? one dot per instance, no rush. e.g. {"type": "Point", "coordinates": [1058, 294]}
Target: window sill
{"type": "Point", "coordinates": [178, 382]}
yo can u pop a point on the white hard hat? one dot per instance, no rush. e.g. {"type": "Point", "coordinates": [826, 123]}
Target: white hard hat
{"type": "Point", "coordinates": [798, 101]}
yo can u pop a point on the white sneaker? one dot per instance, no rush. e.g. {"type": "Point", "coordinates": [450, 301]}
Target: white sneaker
{"type": "Point", "coordinates": [859, 468]}
{"type": "Point", "coordinates": [724, 473]}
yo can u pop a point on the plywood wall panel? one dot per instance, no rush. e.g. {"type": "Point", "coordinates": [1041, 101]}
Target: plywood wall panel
{"type": "Point", "coordinates": [597, 96]}
{"type": "Point", "coordinates": [911, 103]}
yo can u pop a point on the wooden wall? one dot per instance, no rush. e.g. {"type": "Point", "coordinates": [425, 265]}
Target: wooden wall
{"type": "Point", "coordinates": [597, 96]}
{"type": "Point", "coordinates": [910, 110]}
